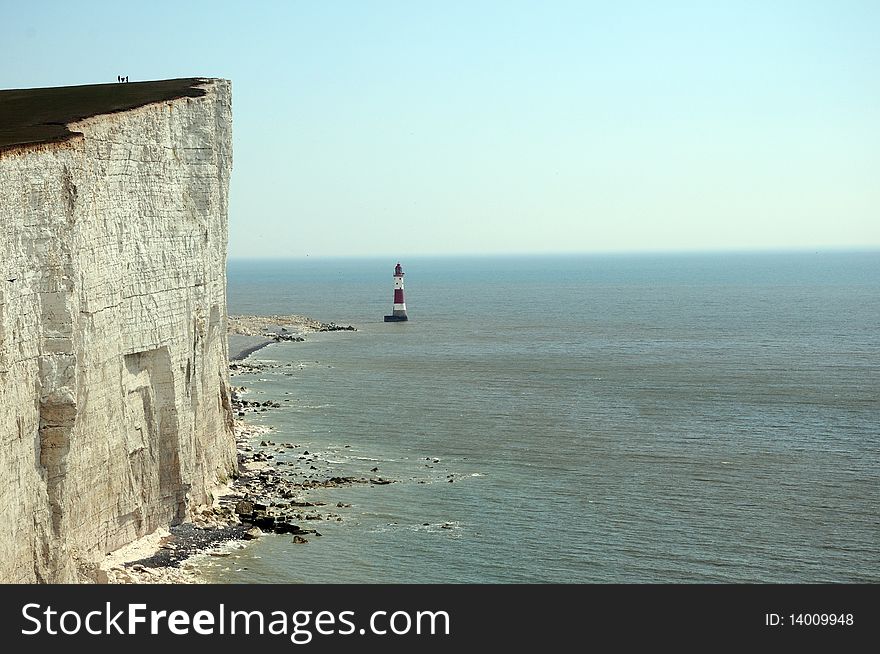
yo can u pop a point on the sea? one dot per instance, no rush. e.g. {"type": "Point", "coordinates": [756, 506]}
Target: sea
{"type": "Point", "coordinates": [662, 418]}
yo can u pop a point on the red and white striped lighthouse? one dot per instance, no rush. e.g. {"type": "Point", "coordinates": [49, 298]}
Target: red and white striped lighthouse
{"type": "Point", "coordinates": [398, 312]}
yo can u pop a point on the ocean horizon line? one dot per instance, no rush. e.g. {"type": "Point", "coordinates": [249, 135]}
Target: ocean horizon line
{"type": "Point", "coordinates": [874, 249]}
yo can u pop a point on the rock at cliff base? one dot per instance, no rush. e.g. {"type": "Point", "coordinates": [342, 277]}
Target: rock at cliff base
{"type": "Point", "coordinates": [253, 533]}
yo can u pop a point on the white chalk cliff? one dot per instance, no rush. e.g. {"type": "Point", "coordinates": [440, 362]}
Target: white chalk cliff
{"type": "Point", "coordinates": [115, 414]}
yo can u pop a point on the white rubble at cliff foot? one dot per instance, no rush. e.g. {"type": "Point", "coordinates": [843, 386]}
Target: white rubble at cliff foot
{"type": "Point", "coordinates": [260, 325]}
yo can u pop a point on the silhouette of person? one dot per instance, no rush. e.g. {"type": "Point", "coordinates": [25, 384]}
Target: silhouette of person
{"type": "Point", "coordinates": [119, 78]}
{"type": "Point", "coordinates": [126, 79]}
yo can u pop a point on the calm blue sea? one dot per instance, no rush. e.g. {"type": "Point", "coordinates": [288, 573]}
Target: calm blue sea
{"type": "Point", "coordinates": [668, 418]}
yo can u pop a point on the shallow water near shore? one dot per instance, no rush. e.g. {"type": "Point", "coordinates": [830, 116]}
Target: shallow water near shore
{"type": "Point", "coordinates": [677, 418]}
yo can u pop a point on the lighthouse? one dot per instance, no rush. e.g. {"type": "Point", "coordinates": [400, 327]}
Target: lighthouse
{"type": "Point", "coordinates": [398, 314]}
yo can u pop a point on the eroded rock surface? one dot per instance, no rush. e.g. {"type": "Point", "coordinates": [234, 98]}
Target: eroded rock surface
{"type": "Point", "coordinates": [115, 412]}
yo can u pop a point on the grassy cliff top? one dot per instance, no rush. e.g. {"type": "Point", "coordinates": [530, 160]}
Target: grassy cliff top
{"type": "Point", "coordinates": [32, 116]}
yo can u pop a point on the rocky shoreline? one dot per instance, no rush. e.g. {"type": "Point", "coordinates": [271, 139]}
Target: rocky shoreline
{"type": "Point", "coordinates": [253, 333]}
{"type": "Point", "coordinates": [268, 496]}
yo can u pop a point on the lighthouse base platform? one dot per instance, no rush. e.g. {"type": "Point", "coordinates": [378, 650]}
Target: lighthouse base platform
{"type": "Point", "coordinates": [396, 318]}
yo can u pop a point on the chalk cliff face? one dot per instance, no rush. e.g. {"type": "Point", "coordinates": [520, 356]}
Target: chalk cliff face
{"type": "Point", "coordinates": [114, 399]}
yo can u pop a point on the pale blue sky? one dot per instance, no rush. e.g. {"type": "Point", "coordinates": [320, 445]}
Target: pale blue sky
{"type": "Point", "coordinates": [411, 128]}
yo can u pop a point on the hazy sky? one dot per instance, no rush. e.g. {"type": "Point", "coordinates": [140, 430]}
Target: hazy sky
{"type": "Point", "coordinates": [409, 128]}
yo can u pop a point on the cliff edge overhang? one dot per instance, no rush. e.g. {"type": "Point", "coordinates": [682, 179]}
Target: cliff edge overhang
{"type": "Point", "coordinates": [33, 117]}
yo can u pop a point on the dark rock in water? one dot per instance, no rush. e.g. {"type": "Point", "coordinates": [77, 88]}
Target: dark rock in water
{"type": "Point", "coordinates": [333, 327]}
{"type": "Point", "coordinates": [287, 528]}
{"type": "Point", "coordinates": [299, 540]}
{"type": "Point", "coordinates": [374, 469]}
{"type": "Point", "coordinates": [381, 482]}
{"type": "Point", "coordinates": [266, 522]}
